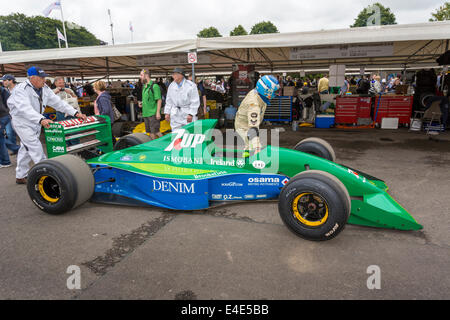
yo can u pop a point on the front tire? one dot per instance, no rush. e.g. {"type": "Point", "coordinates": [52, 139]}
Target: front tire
{"type": "Point", "coordinates": [315, 206]}
{"type": "Point", "coordinates": [317, 147]}
{"type": "Point", "coordinates": [60, 184]}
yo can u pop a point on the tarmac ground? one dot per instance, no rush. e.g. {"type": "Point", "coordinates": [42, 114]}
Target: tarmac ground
{"type": "Point", "coordinates": [241, 251]}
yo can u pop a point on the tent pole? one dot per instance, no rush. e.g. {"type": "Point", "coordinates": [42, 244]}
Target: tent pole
{"type": "Point", "coordinates": [107, 68]}
{"type": "Point", "coordinates": [64, 26]}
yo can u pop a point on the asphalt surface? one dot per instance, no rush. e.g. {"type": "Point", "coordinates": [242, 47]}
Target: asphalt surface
{"type": "Point", "coordinates": [239, 251]}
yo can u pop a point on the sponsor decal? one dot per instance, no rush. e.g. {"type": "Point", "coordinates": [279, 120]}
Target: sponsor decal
{"type": "Point", "coordinates": [231, 197]}
{"type": "Point", "coordinates": [259, 164]}
{"type": "Point", "coordinates": [291, 192]}
{"type": "Point", "coordinates": [77, 122]}
{"type": "Point", "coordinates": [225, 197]}
{"type": "Point", "coordinates": [263, 181]}
{"type": "Point", "coordinates": [56, 130]}
{"type": "Point", "coordinates": [261, 196]}
{"type": "Point", "coordinates": [55, 139]}
{"type": "Point", "coordinates": [185, 140]}
{"type": "Point", "coordinates": [182, 160]}
{"type": "Point", "coordinates": [173, 187]}
{"type": "Point", "coordinates": [249, 196]}
{"type": "Point", "coordinates": [126, 158]}
{"type": "Point", "coordinates": [38, 205]}
{"type": "Point", "coordinates": [221, 162]}
{"type": "Point", "coordinates": [285, 181]}
{"type": "Point", "coordinates": [356, 175]}
{"type": "Point", "coordinates": [240, 163]}
{"type": "Point", "coordinates": [56, 149]}
{"type": "Point", "coordinates": [232, 184]}
{"type": "Point", "coordinates": [336, 226]}
{"type": "Point", "coordinates": [210, 175]}
{"type": "Point", "coordinates": [142, 157]}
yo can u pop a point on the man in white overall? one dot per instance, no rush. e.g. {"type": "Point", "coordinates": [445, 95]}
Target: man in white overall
{"type": "Point", "coordinates": [27, 104]}
{"type": "Point", "coordinates": [182, 101]}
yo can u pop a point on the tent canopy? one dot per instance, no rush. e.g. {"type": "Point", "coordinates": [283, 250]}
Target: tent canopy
{"type": "Point", "coordinates": [394, 46]}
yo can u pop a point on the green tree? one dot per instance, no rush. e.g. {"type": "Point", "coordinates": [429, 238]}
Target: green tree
{"type": "Point", "coordinates": [442, 14]}
{"type": "Point", "coordinates": [19, 32]}
{"type": "Point", "coordinates": [238, 31]}
{"type": "Point", "coordinates": [210, 32]}
{"type": "Point", "coordinates": [264, 27]}
{"type": "Point", "coordinates": [368, 16]}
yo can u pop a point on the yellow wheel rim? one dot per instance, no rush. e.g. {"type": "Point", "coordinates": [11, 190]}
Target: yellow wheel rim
{"type": "Point", "coordinates": [42, 190]}
{"type": "Point", "coordinates": [310, 209]}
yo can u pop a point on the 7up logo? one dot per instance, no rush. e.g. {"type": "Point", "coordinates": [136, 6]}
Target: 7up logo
{"type": "Point", "coordinates": [184, 140]}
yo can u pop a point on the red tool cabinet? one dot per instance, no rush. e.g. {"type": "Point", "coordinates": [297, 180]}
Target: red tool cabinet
{"type": "Point", "coordinates": [349, 109]}
{"type": "Point", "coordinates": [394, 107]}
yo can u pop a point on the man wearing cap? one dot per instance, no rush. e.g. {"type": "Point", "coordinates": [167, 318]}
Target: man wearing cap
{"type": "Point", "coordinates": [27, 104]}
{"type": "Point", "coordinates": [182, 101]}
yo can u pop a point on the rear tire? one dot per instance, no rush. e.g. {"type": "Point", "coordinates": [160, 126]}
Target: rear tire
{"type": "Point", "coordinates": [60, 184]}
{"type": "Point", "coordinates": [315, 206]}
{"type": "Point", "coordinates": [117, 129]}
{"type": "Point", "coordinates": [317, 147]}
{"type": "Point", "coordinates": [131, 140]}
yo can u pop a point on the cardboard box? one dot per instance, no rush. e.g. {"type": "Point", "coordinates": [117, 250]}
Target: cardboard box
{"type": "Point", "coordinates": [389, 123]}
{"type": "Point", "coordinates": [116, 84]}
{"type": "Point", "coordinates": [289, 91]}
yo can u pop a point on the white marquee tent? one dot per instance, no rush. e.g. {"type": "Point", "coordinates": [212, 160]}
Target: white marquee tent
{"type": "Point", "coordinates": [395, 46]}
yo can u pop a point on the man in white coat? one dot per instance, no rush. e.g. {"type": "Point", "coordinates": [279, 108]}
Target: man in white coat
{"type": "Point", "coordinates": [27, 104]}
{"type": "Point", "coordinates": [182, 101]}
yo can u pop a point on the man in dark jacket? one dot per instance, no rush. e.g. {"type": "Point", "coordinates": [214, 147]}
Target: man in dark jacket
{"type": "Point", "coordinates": [5, 120]}
{"type": "Point", "coordinates": [363, 86]}
{"type": "Point", "coordinates": [9, 82]}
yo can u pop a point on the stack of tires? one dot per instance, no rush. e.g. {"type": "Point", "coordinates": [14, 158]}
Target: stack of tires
{"type": "Point", "coordinates": [425, 86]}
{"type": "Point", "coordinates": [446, 85]}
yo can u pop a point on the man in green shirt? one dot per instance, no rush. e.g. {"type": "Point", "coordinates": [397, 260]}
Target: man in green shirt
{"type": "Point", "coordinates": [151, 105]}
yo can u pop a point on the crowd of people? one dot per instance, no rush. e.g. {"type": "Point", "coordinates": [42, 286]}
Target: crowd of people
{"type": "Point", "coordinates": [22, 108]}
{"type": "Point", "coordinates": [180, 100]}
{"type": "Point", "coordinates": [366, 84]}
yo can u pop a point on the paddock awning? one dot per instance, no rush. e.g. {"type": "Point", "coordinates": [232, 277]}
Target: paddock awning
{"type": "Point", "coordinates": [413, 45]}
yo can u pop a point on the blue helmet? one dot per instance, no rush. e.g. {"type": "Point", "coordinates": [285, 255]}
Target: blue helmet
{"type": "Point", "coordinates": [267, 86]}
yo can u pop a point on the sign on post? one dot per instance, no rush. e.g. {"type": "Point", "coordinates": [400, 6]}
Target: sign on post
{"type": "Point", "coordinates": [192, 57]}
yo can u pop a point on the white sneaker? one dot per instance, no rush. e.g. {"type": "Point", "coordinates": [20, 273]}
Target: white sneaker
{"type": "Point", "coordinates": [5, 165]}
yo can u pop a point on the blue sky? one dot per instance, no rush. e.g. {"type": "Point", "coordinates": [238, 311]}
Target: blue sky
{"type": "Point", "coordinates": [156, 20]}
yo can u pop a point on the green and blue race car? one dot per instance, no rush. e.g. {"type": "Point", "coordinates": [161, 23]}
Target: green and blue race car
{"type": "Point", "coordinates": [187, 171]}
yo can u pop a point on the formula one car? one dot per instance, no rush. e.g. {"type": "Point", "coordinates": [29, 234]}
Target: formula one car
{"type": "Point", "coordinates": [186, 171]}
